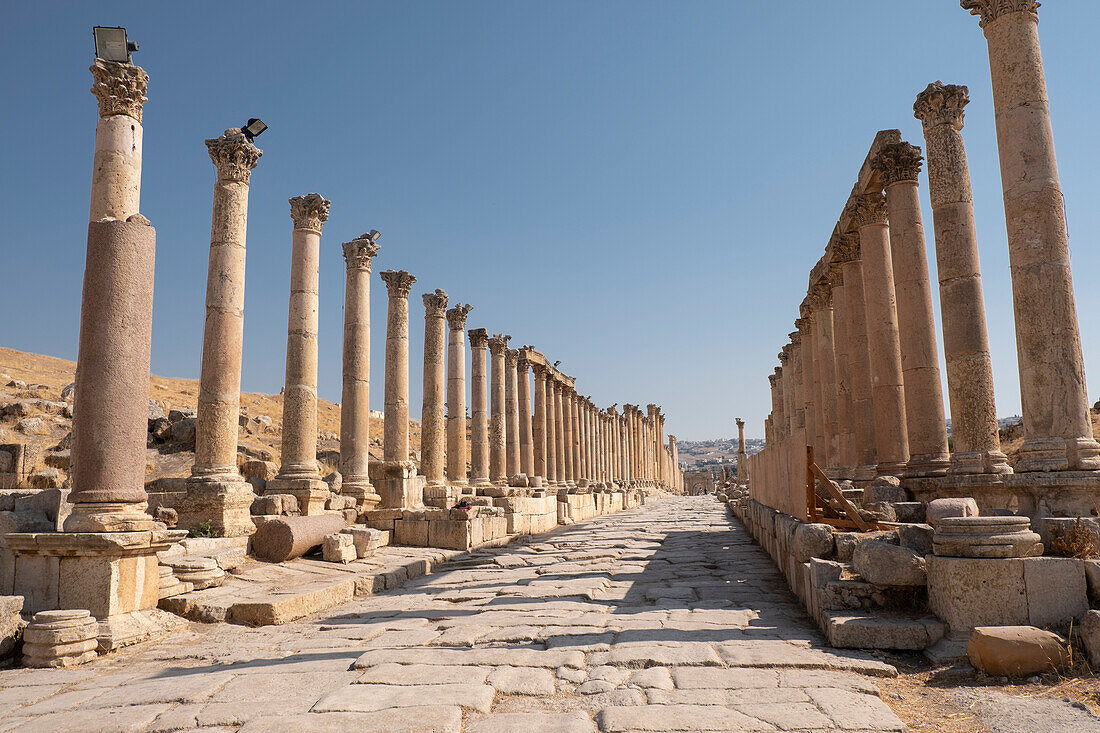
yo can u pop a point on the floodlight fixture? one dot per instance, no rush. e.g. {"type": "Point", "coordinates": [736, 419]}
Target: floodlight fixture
{"type": "Point", "coordinates": [111, 44]}
{"type": "Point", "coordinates": [253, 128]}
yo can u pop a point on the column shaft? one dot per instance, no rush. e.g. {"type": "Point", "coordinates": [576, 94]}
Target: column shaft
{"type": "Point", "coordinates": [456, 394]}
{"type": "Point", "coordinates": [433, 416]}
{"type": "Point", "coordinates": [479, 431]}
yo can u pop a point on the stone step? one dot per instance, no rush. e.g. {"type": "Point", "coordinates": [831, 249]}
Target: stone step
{"type": "Point", "coordinates": [882, 630]}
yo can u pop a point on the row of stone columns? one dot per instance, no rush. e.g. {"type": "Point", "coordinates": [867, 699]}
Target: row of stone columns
{"type": "Point", "coordinates": [862, 375]}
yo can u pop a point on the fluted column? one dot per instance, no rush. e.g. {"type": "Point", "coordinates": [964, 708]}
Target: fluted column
{"type": "Point", "coordinates": [456, 394]}
{"type": "Point", "coordinates": [847, 254]}
{"type": "Point", "coordinates": [1057, 426]}
{"type": "Point", "coordinates": [498, 439]}
{"type": "Point", "coordinates": [511, 412]}
{"type": "Point", "coordinates": [433, 416]}
{"type": "Point", "coordinates": [899, 166]}
{"type": "Point", "coordinates": [540, 425]}
{"type": "Point", "coordinates": [355, 397]}
{"type": "Point", "coordinates": [479, 410]}
{"type": "Point", "coordinates": [974, 429]}
{"type": "Point", "coordinates": [883, 345]}
{"type": "Point", "coordinates": [523, 398]}
{"type": "Point", "coordinates": [216, 489]}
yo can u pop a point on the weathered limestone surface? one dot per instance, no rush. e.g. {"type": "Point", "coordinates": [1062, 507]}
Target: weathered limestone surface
{"type": "Point", "coordinates": [479, 410]}
{"type": "Point", "coordinates": [456, 394]}
{"type": "Point", "coordinates": [433, 419]}
{"type": "Point", "coordinates": [498, 439]}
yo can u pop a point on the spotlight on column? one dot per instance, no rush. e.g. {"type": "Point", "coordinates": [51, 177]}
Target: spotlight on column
{"type": "Point", "coordinates": [253, 128]}
{"type": "Point", "coordinates": [111, 44]}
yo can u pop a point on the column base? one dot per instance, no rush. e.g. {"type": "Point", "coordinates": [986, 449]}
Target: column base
{"type": "Point", "coordinates": [971, 462]}
{"type": "Point", "coordinates": [399, 486]}
{"type": "Point", "coordinates": [113, 575]}
{"type": "Point", "coordinates": [890, 469]}
{"type": "Point", "coordinates": [1058, 454]}
{"type": "Point", "coordinates": [930, 465]}
{"type": "Point", "coordinates": [104, 516]}
{"type": "Point", "coordinates": [220, 505]}
{"type": "Point", "coordinates": [362, 490]}
{"type": "Point", "coordinates": [311, 493]}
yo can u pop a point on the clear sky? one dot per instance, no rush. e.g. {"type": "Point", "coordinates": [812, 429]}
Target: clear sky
{"type": "Point", "coordinates": [637, 188]}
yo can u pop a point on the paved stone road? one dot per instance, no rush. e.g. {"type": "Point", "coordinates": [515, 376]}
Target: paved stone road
{"type": "Point", "coordinates": [663, 618]}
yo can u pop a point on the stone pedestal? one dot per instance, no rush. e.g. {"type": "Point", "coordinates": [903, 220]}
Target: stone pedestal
{"type": "Point", "coordinates": [398, 484]}
{"type": "Point", "coordinates": [355, 398]}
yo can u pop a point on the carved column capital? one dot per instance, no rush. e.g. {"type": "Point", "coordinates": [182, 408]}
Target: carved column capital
{"type": "Point", "coordinates": [120, 88]}
{"type": "Point", "coordinates": [541, 370]}
{"type": "Point", "coordinates": [498, 344]}
{"type": "Point", "coordinates": [898, 162]}
{"type": "Point", "coordinates": [845, 248]}
{"type": "Point", "coordinates": [309, 212]}
{"type": "Point", "coordinates": [796, 338]}
{"type": "Point", "coordinates": [479, 338]}
{"type": "Point", "coordinates": [398, 283]}
{"type": "Point", "coordinates": [870, 209]}
{"type": "Point", "coordinates": [456, 316]}
{"type": "Point", "coordinates": [772, 378]}
{"type": "Point", "coordinates": [233, 155]}
{"type": "Point", "coordinates": [435, 304]}
{"type": "Point", "coordinates": [990, 10]}
{"type": "Point", "coordinates": [523, 363]}
{"type": "Point", "coordinates": [511, 358]}
{"type": "Point", "coordinates": [359, 252]}
{"type": "Point", "coordinates": [784, 355]}
{"type": "Point", "coordinates": [942, 104]}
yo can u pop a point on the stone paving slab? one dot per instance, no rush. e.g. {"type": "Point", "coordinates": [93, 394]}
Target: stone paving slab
{"type": "Point", "coordinates": [662, 618]}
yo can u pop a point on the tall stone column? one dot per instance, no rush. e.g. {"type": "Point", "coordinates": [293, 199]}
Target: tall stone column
{"type": "Point", "coordinates": [298, 474]}
{"type": "Point", "coordinates": [511, 412]}
{"type": "Point", "coordinates": [216, 492]}
{"type": "Point", "coordinates": [498, 439]}
{"type": "Point", "coordinates": [456, 394]}
{"type": "Point", "coordinates": [845, 450]}
{"type": "Point", "coordinates": [540, 426]}
{"type": "Point", "coordinates": [899, 166]}
{"type": "Point", "coordinates": [809, 376]}
{"type": "Point", "coordinates": [400, 488]}
{"type": "Point", "coordinates": [116, 169]}
{"type": "Point", "coordinates": [977, 445]}
{"type": "Point", "coordinates": [355, 399]}
{"type": "Point", "coordinates": [883, 345]}
{"type": "Point", "coordinates": [798, 401]}
{"type": "Point", "coordinates": [1057, 426]}
{"type": "Point", "coordinates": [787, 387]}
{"type": "Point", "coordinates": [825, 363]}
{"type": "Point", "coordinates": [578, 437]}
{"type": "Point", "coordinates": [559, 433]}
{"type": "Point", "coordinates": [742, 456]}
{"type": "Point", "coordinates": [553, 426]}
{"type": "Point", "coordinates": [773, 381]}
{"type": "Point", "coordinates": [567, 396]}
{"type": "Point", "coordinates": [479, 431]}
{"type": "Point", "coordinates": [847, 254]}
{"type": "Point", "coordinates": [523, 397]}
{"type": "Point", "coordinates": [433, 415]}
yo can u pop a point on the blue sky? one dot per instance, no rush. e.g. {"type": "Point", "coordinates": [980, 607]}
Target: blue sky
{"type": "Point", "coordinates": [636, 188]}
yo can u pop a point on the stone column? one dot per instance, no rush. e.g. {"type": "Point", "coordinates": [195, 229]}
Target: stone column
{"type": "Point", "coordinates": [355, 399]}
{"type": "Point", "coordinates": [742, 456]}
{"type": "Point", "coordinates": [847, 254]}
{"type": "Point", "coordinates": [773, 381]}
{"type": "Point", "coordinates": [399, 489]}
{"type": "Point", "coordinates": [116, 168]}
{"type": "Point", "coordinates": [456, 394]}
{"type": "Point", "coordinates": [809, 375]}
{"type": "Point", "coordinates": [511, 411]}
{"type": "Point", "coordinates": [552, 428]}
{"type": "Point", "coordinates": [845, 459]}
{"type": "Point", "coordinates": [583, 444]}
{"type": "Point", "coordinates": [298, 474]}
{"type": "Point", "coordinates": [883, 345]}
{"type": "Point", "coordinates": [540, 424]}
{"type": "Point", "coordinates": [578, 436]}
{"type": "Point", "coordinates": [216, 492]}
{"type": "Point", "coordinates": [899, 166]}
{"type": "Point", "coordinates": [567, 395]}
{"type": "Point", "coordinates": [798, 400]}
{"type": "Point", "coordinates": [977, 446]}
{"type": "Point", "coordinates": [559, 433]}
{"type": "Point", "coordinates": [498, 439]}
{"type": "Point", "coordinates": [1057, 427]}
{"type": "Point", "coordinates": [825, 364]}
{"type": "Point", "coordinates": [479, 431]}
{"type": "Point", "coordinates": [787, 387]}
{"type": "Point", "coordinates": [523, 395]}
{"type": "Point", "coordinates": [433, 415]}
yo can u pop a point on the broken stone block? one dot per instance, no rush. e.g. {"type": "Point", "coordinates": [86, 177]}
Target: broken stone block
{"type": "Point", "coordinates": [267, 504]}
{"type": "Point", "coordinates": [338, 547]}
{"type": "Point", "coordinates": [811, 540]}
{"type": "Point", "coordinates": [955, 507]}
{"type": "Point", "coordinates": [967, 592]}
{"type": "Point", "coordinates": [519, 480]}
{"type": "Point", "coordinates": [845, 545]}
{"type": "Point", "coordinates": [1090, 634]}
{"type": "Point", "coordinates": [11, 624]}
{"type": "Point", "coordinates": [1016, 651]}
{"type": "Point", "coordinates": [286, 538]}
{"type": "Point", "coordinates": [60, 639]}
{"type": "Point", "coordinates": [1056, 591]}
{"type": "Point", "coordinates": [1092, 578]}
{"type": "Point", "coordinates": [264, 470]}
{"type": "Point", "coordinates": [881, 563]}
{"type": "Point", "coordinates": [917, 537]}
{"type": "Point", "coordinates": [366, 539]}
{"type": "Point", "coordinates": [884, 489]}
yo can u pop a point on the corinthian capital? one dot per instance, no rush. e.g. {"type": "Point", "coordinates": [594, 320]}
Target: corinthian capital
{"type": "Point", "coordinates": [309, 211]}
{"type": "Point", "coordinates": [785, 355]}
{"type": "Point", "coordinates": [845, 248]}
{"type": "Point", "coordinates": [120, 88]}
{"type": "Point", "coordinates": [990, 10]}
{"type": "Point", "coordinates": [398, 283]}
{"type": "Point", "coordinates": [479, 338]}
{"type": "Point", "coordinates": [233, 155]}
{"type": "Point", "coordinates": [941, 104]}
{"type": "Point", "coordinates": [435, 304]}
{"type": "Point", "coordinates": [796, 338]}
{"type": "Point", "coordinates": [522, 362]}
{"type": "Point", "coordinates": [870, 208]}
{"type": "Point", "coordinates": [511, 357]}
{"type": "Point", "coordinates": [898, 162]}
{"type": "Point", "coordinates": [456, 316]}
{"type": "Point", "coordinates": [541, 370]}
{"type": "Point", "coordinates": [359, 252]}
{"type": "Point", "coordinates": [498, 344]}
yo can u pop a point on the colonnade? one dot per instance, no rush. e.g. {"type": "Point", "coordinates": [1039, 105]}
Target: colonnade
{"type": "Point", "coordinates": [860, 379]}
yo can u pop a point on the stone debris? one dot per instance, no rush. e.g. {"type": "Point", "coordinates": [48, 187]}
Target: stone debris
{"type": "Point", "coordinates": [1016, 651]}
{"type": "Point", "coordinates": [338, 547]}
{"type": "Point", "coordinates": [285, 538]}
{"type": "Point", "coordinates": [60, 639]}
